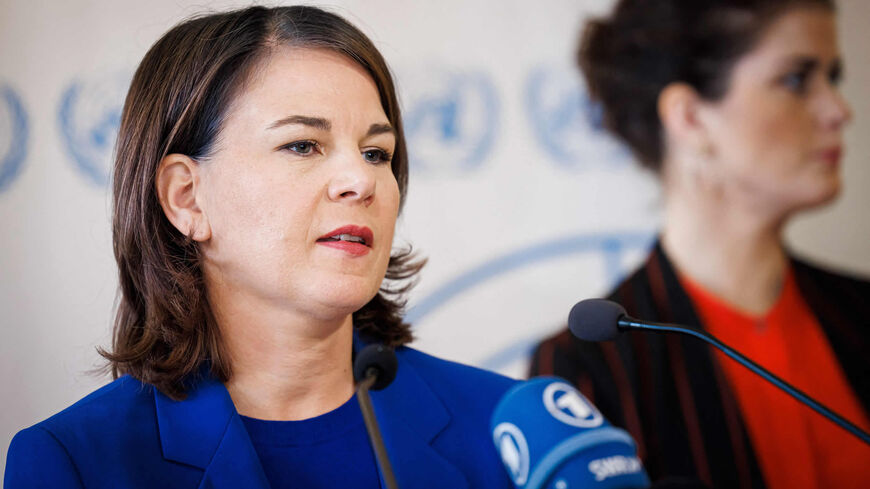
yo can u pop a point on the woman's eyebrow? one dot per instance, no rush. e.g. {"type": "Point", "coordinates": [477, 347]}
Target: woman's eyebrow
{"type": "Point", "coordinates": [376, 129]}
{"type": "Point", "coordinates": [315, 122]}
{"type": "Point", "coordinates": [802, 62]}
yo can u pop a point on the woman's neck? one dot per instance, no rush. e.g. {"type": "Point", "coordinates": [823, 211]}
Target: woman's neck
{"type": "Point", "coordinates": [733, 251]}
{"type": "Point", "coordinates": [285, 368]}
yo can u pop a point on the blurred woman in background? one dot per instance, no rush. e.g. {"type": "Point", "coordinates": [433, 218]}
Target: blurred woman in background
{"type": "Point", "coordinates": [735, 105]}
{"type": "Point", "coordinates": [260, 169]}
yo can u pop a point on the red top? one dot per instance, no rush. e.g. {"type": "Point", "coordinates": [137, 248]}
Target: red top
{"type": "Point", "coordinates": [796, 447]}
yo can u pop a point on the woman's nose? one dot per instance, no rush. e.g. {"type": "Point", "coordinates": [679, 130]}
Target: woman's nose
{"type": "Point", "coordinates": [836, 111]}
{"type": "Point", "coordinates": [352, 181]}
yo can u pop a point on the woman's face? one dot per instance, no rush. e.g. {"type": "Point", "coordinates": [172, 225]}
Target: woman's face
{"type": "Point", "coordinates": [776, 136]}
{"type": "Point", "coordinates": [299, 195]}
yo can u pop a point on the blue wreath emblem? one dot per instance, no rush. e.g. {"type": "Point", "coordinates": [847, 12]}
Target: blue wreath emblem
{"type": "Point", "coordinates": [89, 117]}
{"type": "Point", "coordinates": [567, 123]}
{"type": "Point", "coordinates": [452, 127]}
{"type": "Point", "coordinates": [14, 135]}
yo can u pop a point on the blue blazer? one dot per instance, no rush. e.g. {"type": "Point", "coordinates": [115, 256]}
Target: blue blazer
{"type": "Point", "coordinates": [434, 418]}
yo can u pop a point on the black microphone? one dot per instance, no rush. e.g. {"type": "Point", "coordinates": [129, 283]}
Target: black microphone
{"type": "Point", "coordinates": [603, 320]}
{"type": "Point", "coordinates": [374, 368]}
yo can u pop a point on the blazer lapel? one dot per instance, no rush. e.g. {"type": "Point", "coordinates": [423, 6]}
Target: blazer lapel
{"type": "Point", "coordinates": [235, 464]}
{"type": "Point", "coordinates": [411, 416]}
{"type": "Point", "coordinates": [205, 431]}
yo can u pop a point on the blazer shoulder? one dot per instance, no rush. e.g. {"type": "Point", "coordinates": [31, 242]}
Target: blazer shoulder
{"type": "Point", "coordinates": [99, 424]}
{"type": "Point", "coordinates": [101, 406]}
{"type": "Point", "coordinates": [440, 372]}
{"type": "Point", "coordinates": [54, 470]}
{"type": "Point", "coordinates": [834, 277]}
{"type": "Point", "coordinates": [77, 443]}
{"type": "Point", "coordinates": [462, 388]}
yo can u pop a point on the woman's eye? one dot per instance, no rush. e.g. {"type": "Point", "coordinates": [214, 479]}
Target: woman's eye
{"type": "Point", "coordinates": [301, 147]}
{"type": "Point", "coordinates": [376, 156]}
{"type": "Point", "coordinates": [796, 82]}
{"type": "Point", "coordinates": [835, 75]}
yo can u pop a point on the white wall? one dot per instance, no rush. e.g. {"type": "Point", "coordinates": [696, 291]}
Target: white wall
{"type": "Point", "coordinates": [522, 206]}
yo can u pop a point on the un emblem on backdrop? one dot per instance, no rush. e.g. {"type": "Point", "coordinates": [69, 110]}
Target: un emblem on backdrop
{"type": "Point", "coordinates": [89, 118]}
{"type": "Point", "coordinates": [567, 123]}
{"type": "Point", "coordinates": [451, 121]}
{"type": "Point", "coordinates": [13, 136]}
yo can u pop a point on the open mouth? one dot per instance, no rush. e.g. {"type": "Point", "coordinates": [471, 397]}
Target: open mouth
{"type": "Point", "coordinates": [345, 237]}
{"type": "Point", "coordinates": [356, 240]}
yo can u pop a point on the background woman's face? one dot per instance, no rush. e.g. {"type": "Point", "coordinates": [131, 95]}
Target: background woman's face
{"type": "Point", "coordinates": [777, 134]}
{"type": "Point", "coordinates": [305, 151]}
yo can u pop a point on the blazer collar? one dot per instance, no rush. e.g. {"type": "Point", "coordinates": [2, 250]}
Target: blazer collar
{"type": "Point", "coordinates": [407, 400]}
{"type": "Point", "coordinates": [411, 416]}
{"type": "Point", "coordinates": [205, 431]}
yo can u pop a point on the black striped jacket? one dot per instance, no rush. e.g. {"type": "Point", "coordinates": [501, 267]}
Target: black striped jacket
{"type": "Point", "coordinates": [670, 394]}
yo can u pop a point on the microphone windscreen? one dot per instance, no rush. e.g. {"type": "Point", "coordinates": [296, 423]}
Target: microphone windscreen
{"type": "Point", "coordinates": [550, 436]}
{"type": "Point", "coordinates": [377, 356]}
{"type": "Point", "coordinates": [595, 319]}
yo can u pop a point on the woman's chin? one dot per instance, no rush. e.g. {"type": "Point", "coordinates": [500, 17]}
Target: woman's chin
{"type": "Point", "coordinates": [343, 301]}
{"type": "Point", "coordinates": [823, 195]}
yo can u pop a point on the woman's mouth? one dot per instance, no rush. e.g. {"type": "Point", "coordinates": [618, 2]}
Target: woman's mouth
{"type": "Point", "coordinates": [355, 240]}
{"type": "Point", "coordinates": [831, 156]}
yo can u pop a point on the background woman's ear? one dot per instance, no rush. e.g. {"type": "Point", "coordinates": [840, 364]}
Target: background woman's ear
{"type": "Point", "coordinates": [686, 125]}
{"type": "Point", "coordinates": [177, 189]}
{"type": "Point", "coordinates": [679, 108]}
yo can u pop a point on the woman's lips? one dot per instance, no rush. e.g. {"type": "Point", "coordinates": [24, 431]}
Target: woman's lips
{"type": "Point", "coordinates": [354, 240]}
{"type": "Point", "coordinates": [831, 156]}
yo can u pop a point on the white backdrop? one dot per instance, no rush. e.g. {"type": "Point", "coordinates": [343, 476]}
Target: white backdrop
{"type": "Point", "coordinates": [521, 203]}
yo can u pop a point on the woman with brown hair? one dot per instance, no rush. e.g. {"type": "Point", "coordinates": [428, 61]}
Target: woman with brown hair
{"type": "Point", "coordinates": [735, 105]}
{"type": "Point", "coordinates": [259, 172]}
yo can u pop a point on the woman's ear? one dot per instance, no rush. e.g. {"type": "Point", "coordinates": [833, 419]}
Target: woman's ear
{"type": "Point", "coordinates": [679, 108]}
{"type": "Point", "coordinates": [178, 189]}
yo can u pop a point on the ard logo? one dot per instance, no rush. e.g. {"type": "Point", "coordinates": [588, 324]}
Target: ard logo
{"type": "Point", "coordinates": [13, 136]}
{"type": "Point", "coordinates": [451, 122]}
{"type": "Point", "coordinates": [566, 404]}
{"type": "Point", "coordinates": [514, 451]}
{"type": "Point", "coordinates": [89, 118]}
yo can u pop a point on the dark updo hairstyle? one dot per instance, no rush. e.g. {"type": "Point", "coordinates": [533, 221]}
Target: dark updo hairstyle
{"type": "Point", "coordinates": [629, 57]}
{"type": "Point", "coordinates": [165, 333]}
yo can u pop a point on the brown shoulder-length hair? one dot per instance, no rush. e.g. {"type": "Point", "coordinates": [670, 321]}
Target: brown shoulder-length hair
{"type": "Point", "coordinates": [165, 333]}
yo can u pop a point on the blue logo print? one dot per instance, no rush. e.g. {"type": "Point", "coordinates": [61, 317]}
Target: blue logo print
{"type": "Point", "coordinates": [13, 136]}
{"type": "Point", "coordinates": [514, 451]}
{"type": "Point", "coordinates": [567, 123]}
{"type": "Point", "coordinates": [89, 117]}
{"type": "Point", "coordinates": [451, 127]}
{"type": "Point", "coordinates": [568, 405]}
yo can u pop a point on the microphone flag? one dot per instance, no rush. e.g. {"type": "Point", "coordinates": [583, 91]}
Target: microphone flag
{"type": "Point", "coordinates": [550, 436]}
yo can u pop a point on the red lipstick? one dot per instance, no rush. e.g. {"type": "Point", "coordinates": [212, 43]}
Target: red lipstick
{"type": "Point", "coordinates": [355, 240]}
{"type": "Point", "coordinates": [831, 156]}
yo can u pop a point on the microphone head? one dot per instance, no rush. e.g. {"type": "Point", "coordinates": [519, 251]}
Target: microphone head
{"type": "Point", "coordinates": [550, 436]}
{"type": "Point", "coordinates": [595, 319]}
{"type": "Point", "coordinates": [379, 357]}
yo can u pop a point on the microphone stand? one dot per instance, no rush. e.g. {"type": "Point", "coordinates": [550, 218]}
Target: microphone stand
{"type": "Point", "coordinates": [627, 323]}
{"type": "Point", "coordinates": [368, 412]}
